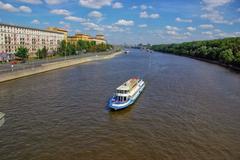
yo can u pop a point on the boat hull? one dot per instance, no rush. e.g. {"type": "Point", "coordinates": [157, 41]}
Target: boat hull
{"type": "Point", "coordinates": [116, 106]}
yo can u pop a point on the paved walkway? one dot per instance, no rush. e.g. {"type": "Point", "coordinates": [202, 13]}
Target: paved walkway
{"type": "Point", "coordinates": [36, 63]}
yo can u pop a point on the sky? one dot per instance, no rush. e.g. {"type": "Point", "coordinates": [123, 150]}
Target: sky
{"type": "Point", "coordinates": [130, 21]}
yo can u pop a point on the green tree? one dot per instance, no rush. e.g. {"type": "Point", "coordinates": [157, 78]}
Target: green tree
{"type": "Point", "coordinates": [22, 52]}
{"type": "Point", "coordinates": [237, 58]}
{"type": "Point", "coordinates": [81, 45]}
{"type": "Point", "coordinates": [62, 48]}
{"type": "Point", "coordinates": [225, 50]}
{"type": "Point", "coordinates": [227, 56]}
{"type": "Point", "coordinates": [42, 53]}
{"type": "Point", "coordinates": [70, 49]}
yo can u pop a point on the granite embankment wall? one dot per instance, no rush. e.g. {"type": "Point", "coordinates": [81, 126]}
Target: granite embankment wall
{"type": "Point", "coordinates": [52, 66]}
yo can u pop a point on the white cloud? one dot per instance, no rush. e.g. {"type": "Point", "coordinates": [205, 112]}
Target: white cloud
{"type": "Point", "coordinates": [142, 25]}
{"type": "Point", "coordinates": [212, 13]}
{"type": "Point", "coordinates": [123, 22]}
{"type": "Point", "coordinates": [187, 34]}
{"type": "Point", "coordinates": [144, 14]}
{"type": "Point", "coordinates": [74, 19]}
{"type": "Point", "coordinates": [95, 14]}
{"type": "Point", "coordinates": [208, 33]}
{"type": "Point", "coordinates": [216, 17]}
{"type": "Point", "coordinates": [171, 28]}
{"type": "Point", "coordinates": [178, 19]}
{"type": "Point", "coordinates": [171, 32]}
{"type": "Point", "coordinates": [55, 2]}
{"type": "Point", "coordinates": [67, 27]}
{"type": "Point", "coordinates": [154, 15]}
{"type": "Point", "coordinates": [8, 7]}
{"type": "Point", "coordinates": [237, 33]}
{"type": "Point", "coordinates": [92, 26]}
{"type": "Point", "coordinates": [25, 9]}
{"type": "Point", "coordinates": [61, 22]}
{"type": "Point", "coordinates": [191, 29]}
{"type": "Point", "coordinates": [217, 30]}
{"type": "Point", "coordinates": [117, 5]}
{"type": "Point", "coordinates": [35, 21]}
{"type": "Point", "coordinates": [97, 4]}
{"type": "Point", "coordinates": [143, 7]}
{"type": "Point", "coordinates": [114, 28]}
{"type": "Point", "coordinates": [211, 4]}
{"type": "Point", "coordinates": [134, 7]}
{"type": "Point", "coordinates": [31, 1]}
{"type": "Point", "coordinates": [63, 12]}
{"type": "Point", "coordinates": [206, 26]}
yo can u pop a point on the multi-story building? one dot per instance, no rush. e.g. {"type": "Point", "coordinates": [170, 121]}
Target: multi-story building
{"type": "Point", "coordinates": [98, 39]}
{"type": "Point", "coordinates": [59, 30]}
{"type": "Point", "coordinates": [12, 37]}
{"type": "Point", "coordinates": [77, 37]}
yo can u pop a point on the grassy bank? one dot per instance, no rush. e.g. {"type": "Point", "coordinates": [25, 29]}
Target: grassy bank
{"type": "Point", "coordinates": [225, 52]}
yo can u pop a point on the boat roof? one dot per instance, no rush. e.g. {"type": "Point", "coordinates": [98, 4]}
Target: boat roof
{"type": "Point", "coordinates": [128, 84]}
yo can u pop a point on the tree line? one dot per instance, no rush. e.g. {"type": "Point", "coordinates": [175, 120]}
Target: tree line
{"type": "Point", "coordinates": [66, 49]}
{"type": "Point", "coordinates": [226, 51]}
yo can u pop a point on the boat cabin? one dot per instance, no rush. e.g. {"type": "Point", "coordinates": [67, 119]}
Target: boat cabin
{"type": "Point", "coordinates": [123, 91]}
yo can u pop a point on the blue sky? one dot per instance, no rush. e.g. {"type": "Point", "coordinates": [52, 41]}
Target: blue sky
{"type": "Point", "coordinates": [130, 22]}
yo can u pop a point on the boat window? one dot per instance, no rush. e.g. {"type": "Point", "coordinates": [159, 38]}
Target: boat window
{"type": "Point", "coordinates": [125, 98]}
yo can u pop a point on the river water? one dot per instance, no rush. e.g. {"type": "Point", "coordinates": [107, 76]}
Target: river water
{"type": "Point", "coordinates": [188, 110]}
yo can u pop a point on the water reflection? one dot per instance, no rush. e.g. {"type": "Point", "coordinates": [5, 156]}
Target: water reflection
{"type": "Point", "coordinates": [2, 119]}
{"type": "Point", "coordinates": [123, 114]}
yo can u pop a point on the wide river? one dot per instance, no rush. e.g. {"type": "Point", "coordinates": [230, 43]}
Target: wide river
{"type": "Point", "coordinates": [189, 110]}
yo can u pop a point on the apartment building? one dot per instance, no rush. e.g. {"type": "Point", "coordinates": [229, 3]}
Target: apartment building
{"type": "Point", "coordinates": [59, 30]}
{"type": "Point", "coordinates": [12, 37]}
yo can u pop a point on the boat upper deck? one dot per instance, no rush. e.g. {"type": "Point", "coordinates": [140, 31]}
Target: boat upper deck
{"type": "Point", "coordinates": [128, 85]}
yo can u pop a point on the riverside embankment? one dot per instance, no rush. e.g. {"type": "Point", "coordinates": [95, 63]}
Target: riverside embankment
{"type": "Point", "coordinates": [52, 66]}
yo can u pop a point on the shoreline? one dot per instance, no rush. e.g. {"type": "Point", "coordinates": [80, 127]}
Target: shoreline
{"type": "Point", "coordinates": [53, 66]}
{"type": "Point", "coordinates": [237, 69]}
{"type": "Point", "coordinates": [231, 67]}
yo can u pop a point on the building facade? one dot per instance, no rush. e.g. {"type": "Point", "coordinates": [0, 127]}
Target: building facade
{"type": "Point", "coordinates": [12, 37]}
{"type": "Point", "coordinates": [98, 39]}
{"type": "Point", "coordinates": [59, 30]}
{"type": "Point", "coordinates": [77, 37]}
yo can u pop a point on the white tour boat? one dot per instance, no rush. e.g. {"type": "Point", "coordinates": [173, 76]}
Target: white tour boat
{"type": "Point", "coordinates": [126, 94]}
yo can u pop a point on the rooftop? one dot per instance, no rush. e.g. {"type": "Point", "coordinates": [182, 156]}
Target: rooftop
{"type": "Point", "coordinates": [128, 84]}
{"type": "Point", "coordinates": [36, 29]}
{"type": "Point", "coordinates": [59, 29]}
